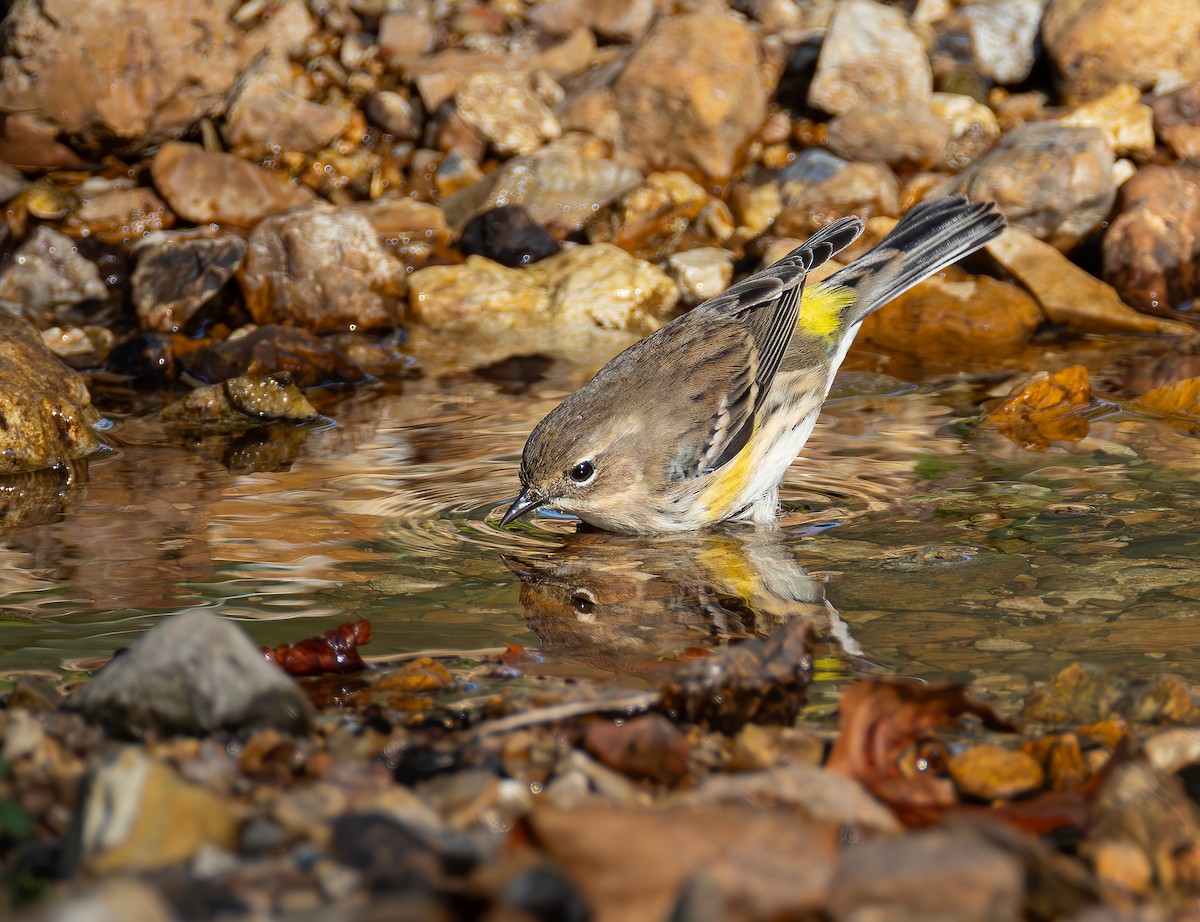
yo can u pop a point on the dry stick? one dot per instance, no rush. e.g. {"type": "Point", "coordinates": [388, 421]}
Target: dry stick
{"type": "Point", "coordinates": [636, 701]}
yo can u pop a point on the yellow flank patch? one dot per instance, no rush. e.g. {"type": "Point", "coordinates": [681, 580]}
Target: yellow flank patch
{"type": "Point", "coordinates": [729, 481]}
{"type": "Point", "coordinates": [821, 308]}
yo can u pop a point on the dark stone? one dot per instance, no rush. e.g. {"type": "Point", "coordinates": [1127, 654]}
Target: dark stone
{"type": "Point", "coordinates": [508, 235]}
{"type": "Point", "coordinates": [309, 360]}
{"type": "Point", "coordinates": [148, 358]}
{"type": "Point", "coordinates": [177, 274]}
{"type": "Point", "coordinates": [548, 895]}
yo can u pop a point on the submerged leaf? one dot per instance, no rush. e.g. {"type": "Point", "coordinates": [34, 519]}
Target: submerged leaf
{"type": "Point", "coordinates": [1046, 410]}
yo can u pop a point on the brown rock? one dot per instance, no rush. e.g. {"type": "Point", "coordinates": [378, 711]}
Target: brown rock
{"type": "Point", "coordinates": [615, 20]}
{"type": "Point", "coordinates": [693, 94]}
{"type": "Point", "coordinates": [238, 404]}
{"type": "Point", "coordinates": [870, 58]}
{"type": "Point", "coordinates": [1177, 121]}
{"type": "Point", "coordinates": [46, 274]}
{"type": "Point", "coordinates": [1053, 180]}
{"type": "Point", "coordinates": [307, 359]}
{"type": "Point", "coordinates": [939, 875]}
{"type": "Point", "coordinates": [647, 747]}
{"type": "Point", "coordinates": [1151, 251]}
{"type": "Point", "coordinates": [1096, 44]}
{"type": "Point", "coordinates": [437, 76]}
{"type": "Point", "coordinates": [952, 314]}
{"type": "Point", "coordinates": [650, 219]}
{"type": "Point", "coordinates": [323, 269]}
{"type": "Point", "coordinates": [205, 187]}
{"type": "Point", "coordinates": [398, 115]}
{"type": "Point", "coordinates": [405, 37]}
{"type": "Point", "coordinates": [119, 215]}
{"type": "Point", "coordinates": [31, 143]}
{"type": "Point", "coordinates": [177, 274]}
{"type": "Point", "coordinates": [45, 409]}
{"type": "Point", "coordinates": [266, 114]}
{"type": "Point", "coordinates": [910, 136]}
{"type": "Point", "coordinates": [1069, 295]}
{"type": "Point", "coordinates": [147, 76]}
{"type": "Point", "coordinates": [863, 189]}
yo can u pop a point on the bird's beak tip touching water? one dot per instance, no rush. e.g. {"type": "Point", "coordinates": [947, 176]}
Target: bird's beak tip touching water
{"type": "Point", "coordinates": [527, 500]}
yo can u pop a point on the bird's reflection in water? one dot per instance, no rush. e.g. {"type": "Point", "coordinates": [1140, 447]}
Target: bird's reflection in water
{"type": "Point", "coordinates": [629, 605]}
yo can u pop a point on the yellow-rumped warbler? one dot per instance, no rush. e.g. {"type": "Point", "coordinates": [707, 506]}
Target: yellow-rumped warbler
{"type": "Point", "coordinates": [698, 422]}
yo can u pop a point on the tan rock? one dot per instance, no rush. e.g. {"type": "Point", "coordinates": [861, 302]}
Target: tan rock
{"type": "Point", "coordinates": [45, 407]}
{"type": "Point", "coordinates": [504, 110]}
{"type": "Point", "coordinates": [870, 57]}
{"type": "Point", "coordinates": [1177, 120]}
{"type": "Point", "coordinates": [954, 314]}
{"type": "Point", "coordinates": [323, 269]}
{"type": "Point", "coordinates": [266, 115]}
{"type": "Point", "coordinates": [119, 215]}
{"type": "Point", "coordinates": [615, 20]}
{"type": "Point", "coordinates": [1120, 114]}
{"type": "Point", "coordinates": [405, 36]}
{"type": "Point", "coordinates": [992, 772]}
{"type": "Point", "coordinates": [701, 273]}
{"type": "Point", "coordinates": [1069, 295]}
{"type": "Point", "coordinates": [862, 189]}
{"type": "Point", "coordinates": [1098, 44]}
{"type": "Point", "coordinates": [205, 187]}
{"type": "Point", "coordinates": [974, 129]}
{"type": "Point", "coordinates": [1151, 252]}
{"type": "Point", "coordinates": [890, 134]}
{"type": "Point", "coordinates": [138, 814]}
{"type": "Point", "coordinates": [606, 287]}
{"type": "Point", "coordinates": [650, 219]}
{"type": "Point", "coordinates": [147, 76]}
{"type": "Point", "coordinates": [437, 76]}
{"type": "Point", "coordinates": [561, 190]}
{"type": "Point", "coordinates": [1054, 180]}
{"type": "Point", "coordinates": [693, 94]}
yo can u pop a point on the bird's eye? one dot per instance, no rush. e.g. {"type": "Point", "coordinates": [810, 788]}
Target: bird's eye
{"type": "Point", "coordinates": [583, 602]}
{"type": "Point", "coordinates": [583, 472]}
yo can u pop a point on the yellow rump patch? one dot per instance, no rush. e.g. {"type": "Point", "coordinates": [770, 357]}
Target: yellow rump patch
{"type": "Point", "coordinates": [821, 308]}
{"type": "Point", "coordinates": [729, 482]}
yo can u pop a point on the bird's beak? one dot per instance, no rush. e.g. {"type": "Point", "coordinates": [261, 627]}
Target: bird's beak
{"type": "Point", "coordinates": [527, 500]}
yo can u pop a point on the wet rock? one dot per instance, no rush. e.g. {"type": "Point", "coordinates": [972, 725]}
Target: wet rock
{"type": "Point", "coordinates": [952, 314]}
{"type": "Point", "coordinates": [191, 673]}
{"type": "Point", "coordinates": [267, 115]}
{"type": "Point", "coordinates": [1046, 409]}
{"type": "Point", "coordinates": [650, 219]}
{"type": "Point", "coordinates": [146, 357]}
{"type": "Point", "coordinates": [1097, 44]}
{"type": "Point", "coordinates": [508, 235]}
{"type": "Point", "coordinates": [205, 187]}
{"type": "Point", "coordinates": [1120, 114]}
{"type": "Point", "coordinates": [405, 36]}
{"type": "Point", "coordinates": [137, 814]}
{"type": "Point", "coordinates": [909, 136]}
{"type": "Point", "coordinates": [12, 182]}
{"type": "Point", "coordinates": [862, 189]}
{"type": "Point", "coordinates": [1069, 295]}
{"type": "Point", "coordinates": [304, 357]}
{"type": "Point", "coordinates": [46, 274]}
{"type": "Point", "coordinates": [992, 772]}
{"type": "Point", "coordinates": [1055, 181]}
{"type": "Point", "coordinates": [1177, 398]}
{"type": "Point", "coordinates": [931, 875]}
{"type": "Point", "coordinates": [119, 215]}
{"type": "Point", "coordinates": [176, 274]}
{"type": "Point", "coordinates": [320, 268]}
{"type": "Point", "coordinates": [617, 21]}
{"type": "Point", "coordinates": [647, 747]}
{"type": "Point", "coordinates": [973, 127]}
{"type": "Point", "coordinates": [870, 58]}
{"type": "Point", "coordinates": [97, 85]}
{"type": "Point", "coordinates": [1085, 694]}
{"type": "Point", "coordinates": [414, 230]}
{"type": "Point", "coordinates": [113, 900]}
{"type": "Point", "coordinates": [45, 408]}
{"type": "Point", "coordinates": [560, 190]}
{"type": "Point", "coordinates": [240, 403]}
{"type": "Point", "coordinates": [503, 109]}
{"type": "Point", "coordinates": [1003, 36]}
{"type": "Point", "coordinates": [636, 864]}
{"type": "Point", "coordinates": [436, 76]}
{"type": "Point", "coordinates": [1177, 121]}
{"type": "Point", "coordinates": [702, 273]}
{"type": "Point", "coordinates": [693, 93]}
{"type": "Point", "coordinates": [1151, 252]}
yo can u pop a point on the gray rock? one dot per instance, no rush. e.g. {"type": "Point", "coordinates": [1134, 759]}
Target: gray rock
{"type": "Point", "coordinates": [178, 273]}
{"type": "Point", "coordinates": [813, 164]}
{"type": "Point", "coordinates": [1003, 33]}
{"type": "Point", "coordinates": [192, 673]}
{"type": "Point", "coordinates": [48, 273]}
{"type": "Point", "coordinates": [1054, 180]}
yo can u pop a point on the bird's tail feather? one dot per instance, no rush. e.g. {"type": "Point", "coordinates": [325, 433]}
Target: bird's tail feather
{"type": "Point", "coordinates": [931, 236]}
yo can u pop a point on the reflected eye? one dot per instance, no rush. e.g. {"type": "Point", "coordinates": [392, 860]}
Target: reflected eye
{"type": "Point", "coordinates": [583, 601]}
{"type": "Point", "coordinates": [582, 472]}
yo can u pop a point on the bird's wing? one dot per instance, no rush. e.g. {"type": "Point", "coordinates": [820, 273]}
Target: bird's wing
{"type": "Point", "coordinates": [737, 340]}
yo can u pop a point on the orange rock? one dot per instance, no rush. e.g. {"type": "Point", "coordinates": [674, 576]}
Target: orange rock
{"type": "Point", "coordinates": [1182, 397]}
{"type": "Point", "coordinates": [1046, 410]}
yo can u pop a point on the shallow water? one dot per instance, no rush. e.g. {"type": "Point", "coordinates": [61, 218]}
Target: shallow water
{"type": "Point", "coordinates": [924, 543]}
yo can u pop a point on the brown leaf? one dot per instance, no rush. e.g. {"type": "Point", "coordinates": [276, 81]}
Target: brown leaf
{"type": "Point", "coordinates": [1182, 397]}
{"type": "Point", "coordinates": [649, 747]}
{"type": "Point", "coordinates": [421, 675]}
{"type": "Point", "coordinates": [1049, 409]}
{"type": "Point", "coordinates": [334, 651]}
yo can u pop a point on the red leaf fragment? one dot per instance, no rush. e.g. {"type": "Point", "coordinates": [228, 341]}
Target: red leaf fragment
{"type": "Point", "coordinates": [334, 651]}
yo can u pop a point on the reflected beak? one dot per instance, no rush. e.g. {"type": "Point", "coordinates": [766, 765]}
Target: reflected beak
{"type": "Point", "coordinates": [527, 500]}
{"type": "Point", "coordinates": [523, 568]}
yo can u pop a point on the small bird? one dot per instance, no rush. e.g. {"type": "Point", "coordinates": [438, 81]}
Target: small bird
{"type": "Point", "coordinates": [698, 422]}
